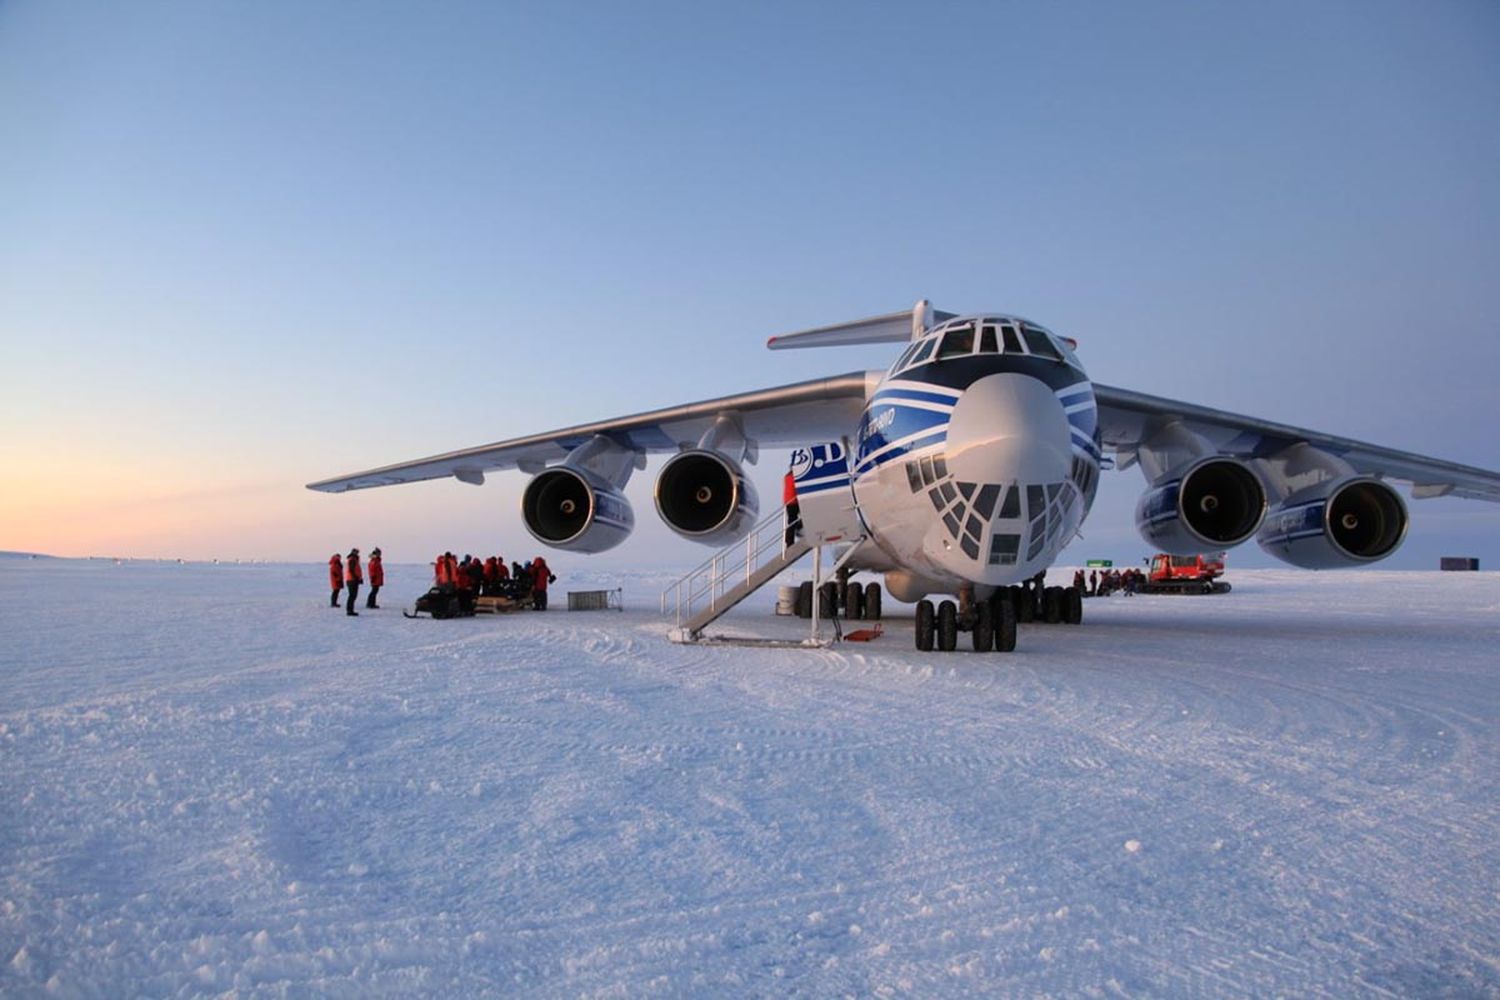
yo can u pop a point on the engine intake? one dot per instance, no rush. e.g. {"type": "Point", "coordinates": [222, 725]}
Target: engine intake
{"type": "Point", "coordinates": [1343, 522]}
{"type": "Point", "coordinates": [571, 509]}
{"type": "Point", "coordinates": [704, 496]}
{"type": "Point", "coordinates": [1206, 506]}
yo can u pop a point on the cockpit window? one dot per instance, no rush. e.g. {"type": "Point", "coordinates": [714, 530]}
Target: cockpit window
{"type": "Point", "coordinates": [906, 356]}
{"type": "Point", "coordinates": [957, 342]}
{"type": "Point", "coordinates": [1041, 345]}
{"type": "Point", "coordinates": [1012, 342]}
{"type": "Point", "coordinates": [923, 350]}
{"type": "Point", "coordinates": [987, 342]}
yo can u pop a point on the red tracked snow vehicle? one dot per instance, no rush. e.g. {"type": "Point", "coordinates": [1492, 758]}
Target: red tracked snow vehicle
{"type": "Point", "coordinates": [1197, 574]}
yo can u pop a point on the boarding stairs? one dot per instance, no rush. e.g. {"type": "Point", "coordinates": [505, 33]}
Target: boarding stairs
{"type": "Point", "coordinates": [734, 573]}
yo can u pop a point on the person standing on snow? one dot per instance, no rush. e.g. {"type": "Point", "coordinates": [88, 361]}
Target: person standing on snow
{"type": "Point", "coordinates": [335, 578]}
{"type": "Point", "coordinates": [377, 577]}
{"type": "Point", "coordinates": [353, 577]}
{"type": "Point", "coordinates": [540, 577]}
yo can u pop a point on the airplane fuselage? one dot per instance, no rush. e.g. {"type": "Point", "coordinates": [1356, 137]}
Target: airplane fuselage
{"type": "Point", "coordinates": [976, 465]}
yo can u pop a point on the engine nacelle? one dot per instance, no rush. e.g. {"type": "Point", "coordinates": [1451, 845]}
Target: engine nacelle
{"type": "Point", "coordinates": [704, 496]}
{"type": "Point", "coordinates": [1208, 505]}
{"type": "Point", "coordinates": [1342, 522]}
{"type": "Point", "coordinates": [572, 509]}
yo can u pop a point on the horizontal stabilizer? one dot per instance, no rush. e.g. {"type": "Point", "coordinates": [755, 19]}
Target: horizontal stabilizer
{"type": "Point", "coordinates": [891, 328]}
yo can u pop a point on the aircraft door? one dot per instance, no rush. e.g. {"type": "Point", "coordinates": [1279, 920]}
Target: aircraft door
{"type": "Point", "coordinates": [825, 499]}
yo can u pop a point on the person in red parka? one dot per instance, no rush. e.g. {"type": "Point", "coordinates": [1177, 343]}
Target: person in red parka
{"type": "Point", "coordinates": [793, 509]}
{"type": "Point", "coordinates": [353, 577]}
{"type": "Point", "coordinates": [540, 577]}
{"type": "Point", "coordinates": [335, 578]}
{"type": "Point", "coordinates": [377, 577]}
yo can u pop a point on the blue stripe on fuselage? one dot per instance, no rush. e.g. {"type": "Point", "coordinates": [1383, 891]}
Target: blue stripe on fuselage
{"type": "Point", "coordinates": [893, 395]}
{"type": "Point", "coordinates": [884, 423]}
{"type": "Point", "coordinates": [896, 454]}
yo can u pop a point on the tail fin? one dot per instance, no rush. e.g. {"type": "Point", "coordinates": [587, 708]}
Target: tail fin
{"type": "Point", "coordinates": [893, 327]}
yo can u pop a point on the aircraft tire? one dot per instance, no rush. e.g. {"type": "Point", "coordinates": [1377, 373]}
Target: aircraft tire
{"type": "Point", "coordinates": [872, 602]}
{"type": "Point", "coordinates": [828, 606]}
{"type": "Point", "coordinates": [1052, 605]}
{"type": "Point", "coordinates": [854, 602]}
{"type": "Point", "coordinates": [984, 627]}
{"type": "Point", "coordinates": [1025, 605]}
{"type": "Point", "coordinates": [1005, 623]}
{"type": "Point", "coordinates": [924, 626]}
{"type": "Point", "coordinates": [1073, 606]}
{"type": "Point", "coordinates": [804, 599]}
{"type": "Point", "coordinates": [947, 627]}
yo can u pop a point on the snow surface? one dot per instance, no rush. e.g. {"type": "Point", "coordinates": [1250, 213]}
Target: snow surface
{"type": "Point", "coordinates": [213, 783]}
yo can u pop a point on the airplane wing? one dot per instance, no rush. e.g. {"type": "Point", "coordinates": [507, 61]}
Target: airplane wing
{"type": "Point", "coordinates": [803, 412]}
{"type": "Point", "coordinates": [1127, 418]}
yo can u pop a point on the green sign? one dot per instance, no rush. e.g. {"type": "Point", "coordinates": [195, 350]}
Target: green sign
{"type": "Point", "coordinates": [1100, 563]}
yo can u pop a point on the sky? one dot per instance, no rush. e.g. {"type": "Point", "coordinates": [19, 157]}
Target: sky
{"type": "Point", "coordinates": [244, 247]}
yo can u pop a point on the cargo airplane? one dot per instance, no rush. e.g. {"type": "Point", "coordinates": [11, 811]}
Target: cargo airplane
{"type": "Point", "coordinates": [964, 469]}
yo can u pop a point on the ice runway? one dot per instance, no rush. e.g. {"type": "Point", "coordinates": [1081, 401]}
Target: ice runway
{"type": "Point", "coordinates": [212, 782]}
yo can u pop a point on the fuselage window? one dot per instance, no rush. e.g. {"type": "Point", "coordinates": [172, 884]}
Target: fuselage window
{"type": "Point", "coordinates": [1041, 345]}
{"type": "Point", "coordinates": [957, 342]}
{"type": "Point", "coordinates": [1036, 501]}
{"type": "Point", "coordinates": [1012, 505]}
{"type": "Point", "coordinates": [1037, 539]}
{"type": "Point", "coordinates": [1012, 342]}
{"type": "Point", "coordinates": [985, 505]}
{"type": "Point", "coordinates": [1003, 549]}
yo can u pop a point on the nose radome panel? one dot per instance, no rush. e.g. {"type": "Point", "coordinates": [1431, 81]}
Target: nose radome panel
{"type": "Point", "coordinates": [1009, 425]}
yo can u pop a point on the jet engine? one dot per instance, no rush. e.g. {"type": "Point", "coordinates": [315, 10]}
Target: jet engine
{"type": "Point", "coordinates": [1207, 505]}
{"type": "Point", "coordinates": [1340, 522]}
{"type": "Point", "coordinates": [704, 496]}
{"type": "Point", "coordinates": [573, 509]}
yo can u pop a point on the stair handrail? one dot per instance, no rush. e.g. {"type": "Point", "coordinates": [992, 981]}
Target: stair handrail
{"type": "Point", "coordinates": [747, 553]}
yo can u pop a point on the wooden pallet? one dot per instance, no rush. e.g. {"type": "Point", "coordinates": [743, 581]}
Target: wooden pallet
{"type": "Point", "coordinates": [494, 605]}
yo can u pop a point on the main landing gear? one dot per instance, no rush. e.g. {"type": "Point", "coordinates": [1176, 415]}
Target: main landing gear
{"type": "Point", "coordinates": [842, 598]}
{"type": "Point", "coordinates": [992, 623]}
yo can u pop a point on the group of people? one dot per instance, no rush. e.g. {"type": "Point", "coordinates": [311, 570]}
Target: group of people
{"type": "Point", "coordinates": [1110, 581]}
{"type": "Point", "coordinates": [347, 574]}
{"type": "Point", "coordinates": [469, 577]}
{"type": "Point", "coordinates": [491, 577]}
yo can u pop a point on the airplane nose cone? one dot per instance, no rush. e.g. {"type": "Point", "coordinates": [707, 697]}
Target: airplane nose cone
{"type": "Point", "coordinates": [1009, 426]}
